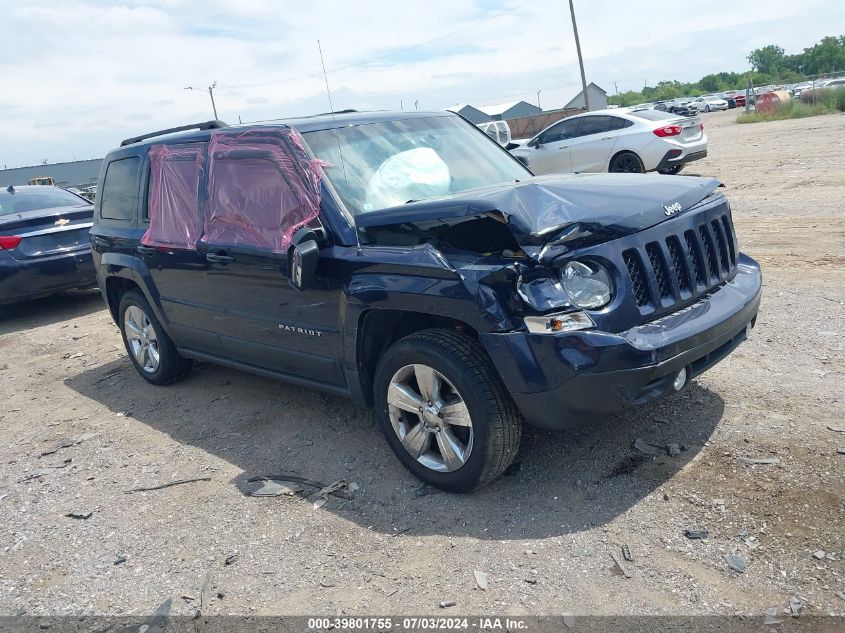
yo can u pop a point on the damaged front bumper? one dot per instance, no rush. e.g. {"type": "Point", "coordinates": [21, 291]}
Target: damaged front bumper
{"type": "Point", "coordinates": [561, 380]}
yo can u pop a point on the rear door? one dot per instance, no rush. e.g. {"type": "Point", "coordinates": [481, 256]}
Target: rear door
{"type": "Point", "coordinates": [552, 155]}
{"type": "Point", "coordinates": [172, 181]}
{"type": "Point", "coordinates": [591, 150]}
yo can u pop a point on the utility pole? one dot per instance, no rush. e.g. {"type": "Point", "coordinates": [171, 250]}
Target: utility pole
{"type": "Point", "coordinates": [538, 99]}
{"type": "Point", "coordinates": [210, 94]}
{"type": "Point", "coordinates": [580, 58]}
{"type": "Point", "coordinates": [616, 87]}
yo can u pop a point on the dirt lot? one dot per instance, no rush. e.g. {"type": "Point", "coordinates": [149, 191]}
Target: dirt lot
{"type": "Point", "coordinates": [543, 534]}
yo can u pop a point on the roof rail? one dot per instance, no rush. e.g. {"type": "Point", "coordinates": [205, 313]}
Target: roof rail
{"type": "Point", "coordinates": [206, 125]}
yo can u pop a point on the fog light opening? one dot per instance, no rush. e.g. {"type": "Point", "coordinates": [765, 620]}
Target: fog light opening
{"type": "Point", "coordinates": [680, 380]}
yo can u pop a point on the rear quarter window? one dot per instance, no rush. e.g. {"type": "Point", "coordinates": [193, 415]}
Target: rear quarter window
{"type": "Point", "coordinates": [119, 194]}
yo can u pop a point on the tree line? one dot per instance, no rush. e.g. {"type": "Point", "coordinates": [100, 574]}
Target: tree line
{"type": "Point", "coordinates": [769, 65]}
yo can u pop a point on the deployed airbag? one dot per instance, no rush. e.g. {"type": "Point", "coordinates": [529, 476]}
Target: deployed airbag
{"type": "Point", "coordinates": [411, 175]}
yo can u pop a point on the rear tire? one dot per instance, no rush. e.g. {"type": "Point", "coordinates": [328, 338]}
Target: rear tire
{"type": "Point", "coordinates": [150, 349]}
{"type": "Point", "coordinates": [486, 432]}
{"type": "Point", "coordinates": [626, 163]}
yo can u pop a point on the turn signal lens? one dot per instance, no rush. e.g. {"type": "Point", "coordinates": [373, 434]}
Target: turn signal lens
{"type": "Point", "coordinates": [554, 323]}
{"type": "Point", "coordinates": [9, 241]}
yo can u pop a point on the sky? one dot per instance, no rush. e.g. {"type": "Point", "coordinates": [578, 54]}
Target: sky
{"type": "Point", "coordinates": [78, 76]}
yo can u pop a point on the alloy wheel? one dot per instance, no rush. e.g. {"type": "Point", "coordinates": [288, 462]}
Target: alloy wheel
{"type": "Point", "coordinates": [142, 340]}
{"type": "Point", "coordinates": [626, 164]}
{"type": "Point", "coordinates": [430, 418]}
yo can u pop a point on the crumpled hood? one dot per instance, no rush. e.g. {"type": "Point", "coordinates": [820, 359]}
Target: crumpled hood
{"type": "Point", "coordinates": [546, 212]}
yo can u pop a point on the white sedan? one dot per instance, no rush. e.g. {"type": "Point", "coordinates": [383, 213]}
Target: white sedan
{"type": "Point", "coordinates": [710, 102]}
{"type": "Point", "coordinates": [635, 141]}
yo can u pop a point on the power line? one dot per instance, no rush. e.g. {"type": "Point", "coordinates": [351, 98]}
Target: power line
{"type": "Point", "coordinates": [385, 55]}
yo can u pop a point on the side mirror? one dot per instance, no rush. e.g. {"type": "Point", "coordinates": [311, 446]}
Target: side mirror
{"type": "Point", "coordinates": [536, 143]}
{"type": "Point", "coordinates": [302, 263]}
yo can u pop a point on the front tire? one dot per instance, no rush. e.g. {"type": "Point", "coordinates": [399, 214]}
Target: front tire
{"type": "Point", "coordinates": [444, 410]}
{"type": "Point", "coordinates": [150, 349]}
{"type": "Point", "coordinates": [626, 163]}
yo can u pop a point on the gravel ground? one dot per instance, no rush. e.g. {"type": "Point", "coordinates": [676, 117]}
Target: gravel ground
{"type": "Point", "coordinates": [79, 429]}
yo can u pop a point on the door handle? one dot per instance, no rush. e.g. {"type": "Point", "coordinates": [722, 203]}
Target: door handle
{"type": "Point", "coordinates": [147, 250]}
{"type": "Point", "coordinates": [606, 138]}
{"type": "Point", "coordinates": [562, 146]}
{"type": "Point", "coordinates": [219, 258]}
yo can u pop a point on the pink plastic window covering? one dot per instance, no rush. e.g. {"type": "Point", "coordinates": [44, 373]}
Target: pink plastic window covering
{"type": "Point", "coordinates": [262, 187]}
{"type": "Point", "coordinates": [175, 219]}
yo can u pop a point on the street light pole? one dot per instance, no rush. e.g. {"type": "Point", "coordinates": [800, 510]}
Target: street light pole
{"type": "Point", "coordinates": [538, 99]}
{"type": "Point", "coordinates": [210, 94]}
{"type": "Point", "coordinates": [580, 59]}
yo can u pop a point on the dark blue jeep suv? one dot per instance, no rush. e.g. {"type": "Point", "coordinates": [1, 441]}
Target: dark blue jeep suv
{"type": "Point", "coordinates": [405, 260]}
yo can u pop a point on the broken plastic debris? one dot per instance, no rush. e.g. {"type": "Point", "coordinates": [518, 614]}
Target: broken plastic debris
{"type": "Point", "coordinates": [79, 515]}
{"type": "Point", "coordinates": [622, 567]}
{"type": "Point", "coordinates": [333, 488]}
{"type": "Point", "coordinates": [695, 534]}
{"type": "Point", "coordinates": [736, 562]}
{"type": "Point", "coordinates": [447, 603]}
{"type": "Point", "coordinates": [647, 447]}
{"type": "Point", "coordinates": [673, 449]}
{"type": "Point", "coordinates": [819, 555]}
{"type": "Point", "coordinates": [795, 606]}
{"type": "Point", "coordinates": [480, 580]}
{"type": "Point", "coordinates": [750, 461]}
{"type": "Point", "coordinates": [68, 442]}
{"type": "Point", "coordinates": [771, 616]}
{"type": "Point", "coordinates": [274, 488]}
{"type": "Point", "coordinates": [626, 553]}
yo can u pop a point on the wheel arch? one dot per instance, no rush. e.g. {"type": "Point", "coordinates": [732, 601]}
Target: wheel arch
{"type": "Point", "coordinates": [619, 152]}
{"type": "Point", "coordinates": [121, 273]}
{"type": "Point", "coordinates": [377, 329]}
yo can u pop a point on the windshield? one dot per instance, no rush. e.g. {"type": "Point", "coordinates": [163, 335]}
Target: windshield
{"type": "Point", "coordinates": [393, 162]}
{"type": "Point", "coordinates": [34, 198]}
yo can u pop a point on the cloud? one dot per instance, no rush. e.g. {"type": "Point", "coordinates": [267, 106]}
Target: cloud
{"type": "Point", "coordinates": [79, 75]}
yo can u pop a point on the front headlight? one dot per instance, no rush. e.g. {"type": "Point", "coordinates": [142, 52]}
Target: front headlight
{"type": "Point", "coordinates": [587, 284]}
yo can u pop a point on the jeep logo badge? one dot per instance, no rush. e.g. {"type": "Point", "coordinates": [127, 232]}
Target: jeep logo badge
{"type": "Point", "coordinates": [672, 209]}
